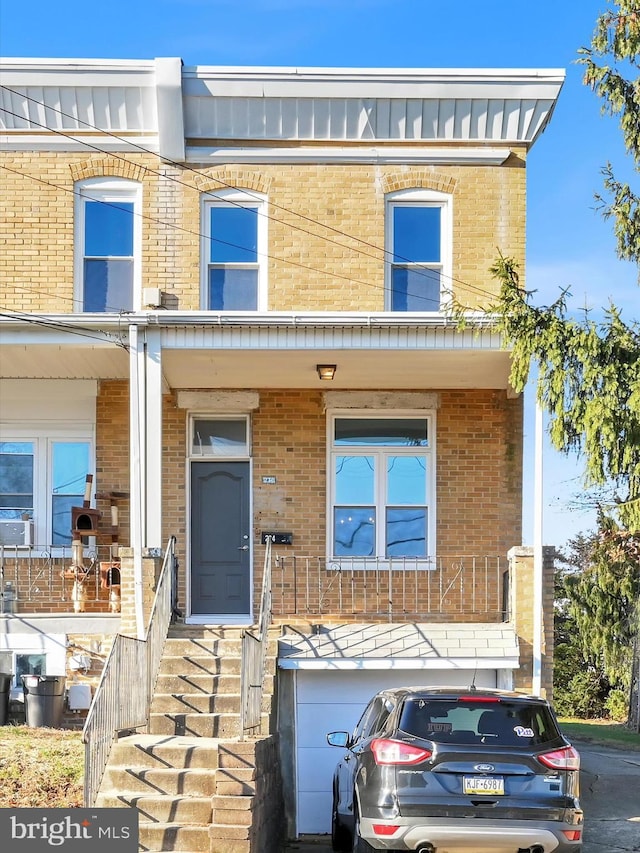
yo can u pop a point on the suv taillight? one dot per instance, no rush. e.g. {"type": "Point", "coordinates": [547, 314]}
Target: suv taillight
{"type": "Point", "coordinates": [561, 759]}
{"type": "Point", "coordinates": [386, 751]}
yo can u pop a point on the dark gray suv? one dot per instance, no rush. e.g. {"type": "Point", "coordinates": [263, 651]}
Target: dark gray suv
{"type": "Point", "coordinates": [441, 770]}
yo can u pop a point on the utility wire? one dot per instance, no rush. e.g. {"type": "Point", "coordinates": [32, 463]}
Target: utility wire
{"type": "Point", "coordinates": [196, 233]}
{"type": "Point", "coordinates": [81, 331]}
{"type": "Point", "coordinates": [418, 268]}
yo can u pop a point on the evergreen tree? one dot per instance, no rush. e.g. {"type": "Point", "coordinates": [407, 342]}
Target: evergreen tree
{"type": "Point", "coordinates": [589, 374]}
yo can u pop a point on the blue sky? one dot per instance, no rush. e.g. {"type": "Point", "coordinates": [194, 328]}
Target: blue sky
{"type": "Point", "coordinates": [568, 242]}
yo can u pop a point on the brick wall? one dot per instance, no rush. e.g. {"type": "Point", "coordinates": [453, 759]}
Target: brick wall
{"type": "Point", "coordinates": [306, 271]}
{"type": "Point", "coordinates": [479, 471]}
{"type": "Point", "coordinates": [522, 580]}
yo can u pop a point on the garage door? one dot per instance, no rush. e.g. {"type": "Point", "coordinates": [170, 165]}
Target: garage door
{"type": "Point", "coordinates": [333, 701]}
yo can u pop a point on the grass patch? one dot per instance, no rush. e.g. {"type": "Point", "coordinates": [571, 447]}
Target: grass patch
{"type": "Point", "coordinates": [602, 732]}
{"type": "Point", "coordinates": [40, 768]}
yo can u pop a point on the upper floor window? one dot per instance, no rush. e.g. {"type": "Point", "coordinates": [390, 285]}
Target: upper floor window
{"type": "Point", "coordinates": [107, 245]}
{"type": "Point", "coordinates": [381, 487]}
{"type": "Point", "coordinates": [419, 250]}
{"type": "Point", "coordinates": [234, 246]}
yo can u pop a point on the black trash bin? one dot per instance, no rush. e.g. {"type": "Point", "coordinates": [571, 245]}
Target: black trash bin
{"type": "Point", "coordinates": [43, 700]}
{"type": "Point", "coordinates": [5, 687]}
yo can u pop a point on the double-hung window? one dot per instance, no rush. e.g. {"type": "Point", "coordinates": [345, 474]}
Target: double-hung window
{"type": "Point", "coordinates": [41, 477]}
{"type": "Point", "coordinates": [107, 245]}
{"type": "Point", "coordinates": [418, 250]}
{"type": "Point", "coordinates": [234, 240]}
{"type": "Point", "coordinates": [381, 487]}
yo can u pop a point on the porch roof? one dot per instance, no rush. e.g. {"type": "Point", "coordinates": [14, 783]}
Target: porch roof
{"type": "Point", "coordinates": [401, 646]}
{"type": "Point", "coordinates": [206, 350]}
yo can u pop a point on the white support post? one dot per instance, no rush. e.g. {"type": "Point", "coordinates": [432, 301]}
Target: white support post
{"type": "Point", "coordinates": [153, 438]}
{"type": "Point", "coordinates": [137, 452]}
{"type": "Point", "coordinates": [538, 572]}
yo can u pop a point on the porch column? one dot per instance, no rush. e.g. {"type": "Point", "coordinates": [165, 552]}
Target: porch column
{"type": "Point", "coordinates": [153, 469]}
{"type": "Point", "coordinates": [145, 440]}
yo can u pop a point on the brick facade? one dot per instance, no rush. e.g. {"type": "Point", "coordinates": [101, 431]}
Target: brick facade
{"type": "Point", "coordinates": [338, 266]}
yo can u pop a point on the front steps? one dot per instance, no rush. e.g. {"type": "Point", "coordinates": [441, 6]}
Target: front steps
{"type": "Point", "coordinates": [192, 780]}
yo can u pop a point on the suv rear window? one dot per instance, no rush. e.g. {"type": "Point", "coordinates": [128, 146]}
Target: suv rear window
{"type": "Point", "coordinates": [499, 723]}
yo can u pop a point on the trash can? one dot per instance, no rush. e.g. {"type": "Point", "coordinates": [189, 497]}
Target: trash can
{"type": "Point", "coordinates": [5, 687]}
{"type": "Point", "coordinates": [43, 700]}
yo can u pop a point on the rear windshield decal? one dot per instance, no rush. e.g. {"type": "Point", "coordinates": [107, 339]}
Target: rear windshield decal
{"type": "Point", "coordinates": [522, 731]}
{"type": "Point", "coordinates": [439, 727]}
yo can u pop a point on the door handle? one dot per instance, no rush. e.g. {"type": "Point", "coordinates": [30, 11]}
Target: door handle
{"type": "Point", "coordinates": [243, 548]}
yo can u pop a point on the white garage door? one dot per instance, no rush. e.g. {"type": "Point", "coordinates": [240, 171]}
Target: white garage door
{"type": "Point", "coordinates": [333, 700]}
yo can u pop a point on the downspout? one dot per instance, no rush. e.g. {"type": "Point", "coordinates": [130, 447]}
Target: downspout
{"type": "Point", "coordinates": [136, 470]}
{"type": "Point", "coordinates": [538, 573]}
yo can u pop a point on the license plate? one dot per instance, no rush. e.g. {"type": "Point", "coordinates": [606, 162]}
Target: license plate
{"type": "Point", "coordinates": [483, 785]}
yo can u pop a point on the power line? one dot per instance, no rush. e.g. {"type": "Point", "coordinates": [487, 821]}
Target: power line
{"type": "Point", "coordinates": [194, 233]}
{"type": "Point", "coordinates": [418, 268]}
{"type": "Point", "coordinates": [81, 331]}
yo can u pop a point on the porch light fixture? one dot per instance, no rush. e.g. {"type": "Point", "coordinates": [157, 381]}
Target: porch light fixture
{"type": "Point", "coordinates": [326, 371]}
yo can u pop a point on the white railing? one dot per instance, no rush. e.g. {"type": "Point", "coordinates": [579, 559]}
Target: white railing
{"type": "Point", "coordinates": [123, 696]}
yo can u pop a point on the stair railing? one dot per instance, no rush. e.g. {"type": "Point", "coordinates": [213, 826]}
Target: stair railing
{"type": "Point", "coordinates": [254, 655]}
{"type": "Point", "coordinates": [123, 697]}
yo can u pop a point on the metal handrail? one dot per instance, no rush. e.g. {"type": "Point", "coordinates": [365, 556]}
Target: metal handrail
{"type": "Point", "coordinates": [254, 654]}
{"type": "Point", "coordinates": [132, 664]}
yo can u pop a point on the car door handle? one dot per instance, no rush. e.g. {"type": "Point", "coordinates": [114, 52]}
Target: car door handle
{"type": "Point", "coordinates": [243, 548]}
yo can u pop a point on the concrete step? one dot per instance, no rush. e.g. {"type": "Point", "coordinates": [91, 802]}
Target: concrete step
{"type": "Point", "coordinates": [165, 753]}
{"type": "Point", "coordinates": [173, 836]}
{"type": "Point", "coordinates": [177, 629]}
{"type": "Point", "coordinates": [196, 725]}
{"type": "Point", "coordinates": [191, 782]}
{"type": "Point", "coordinates": [162, 809]}
{"type": "Point", "coordinates": [196, 703]}
{"type": "Point", "coordinates": [200, 665]}
{"type": "Point", "coordinates": [202, 645]}
{"type": "Point", "coordinates": [207, 684]}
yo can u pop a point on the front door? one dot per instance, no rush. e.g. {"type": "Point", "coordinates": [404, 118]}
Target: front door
{"type": "Point", "coordinates": [220, 540]}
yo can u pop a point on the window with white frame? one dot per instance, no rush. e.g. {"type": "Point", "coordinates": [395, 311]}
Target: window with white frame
{"type": "Point", "coordinates": [108, 245]}
{"type": "Point", "coordinates": [234, 251]}
{"type": "Point", "coordinates": [41, 477]}
{"type": "Point", "coordinates": [418, 226]}
{"type": "Point", "coordinates": [381, 486]}
{"type": "Point", "coordinates": [22, 663]}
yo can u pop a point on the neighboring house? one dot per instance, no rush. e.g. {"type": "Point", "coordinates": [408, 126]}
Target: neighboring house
{"type": "Point", "coordinates": [226, 296]}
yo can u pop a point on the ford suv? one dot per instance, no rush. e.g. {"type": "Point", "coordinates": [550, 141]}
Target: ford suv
{"type": "Point", "coordinates": [440, 770]}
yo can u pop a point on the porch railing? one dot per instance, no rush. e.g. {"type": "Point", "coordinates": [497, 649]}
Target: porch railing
{"type": "Point", "coordinates": [254, 655]}
{"type": "Point", "coordinates": [396, 590]}
{"type": "Point", "coordinates": [43, 579]}
{"type": "Point", "coordinates": [123, 696]}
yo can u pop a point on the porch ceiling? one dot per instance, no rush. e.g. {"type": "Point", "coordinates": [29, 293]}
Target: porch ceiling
{"type": "Point", "coordinates": [267, 369]}
{"type": "Point", "coordinates": [354, 369]}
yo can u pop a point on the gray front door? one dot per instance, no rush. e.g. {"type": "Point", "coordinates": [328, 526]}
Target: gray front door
{"type": "Point", "coordinates": [220, 539]}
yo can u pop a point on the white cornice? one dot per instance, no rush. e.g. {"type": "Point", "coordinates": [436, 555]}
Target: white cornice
{"type": "Point", "coordinates": [273, 105]}
{"type": "Point", "coordinates": [381, 155]}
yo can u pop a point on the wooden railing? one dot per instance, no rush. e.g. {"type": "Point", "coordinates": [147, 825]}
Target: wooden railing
{"type": "Point", "coordinates": [123, 696]}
